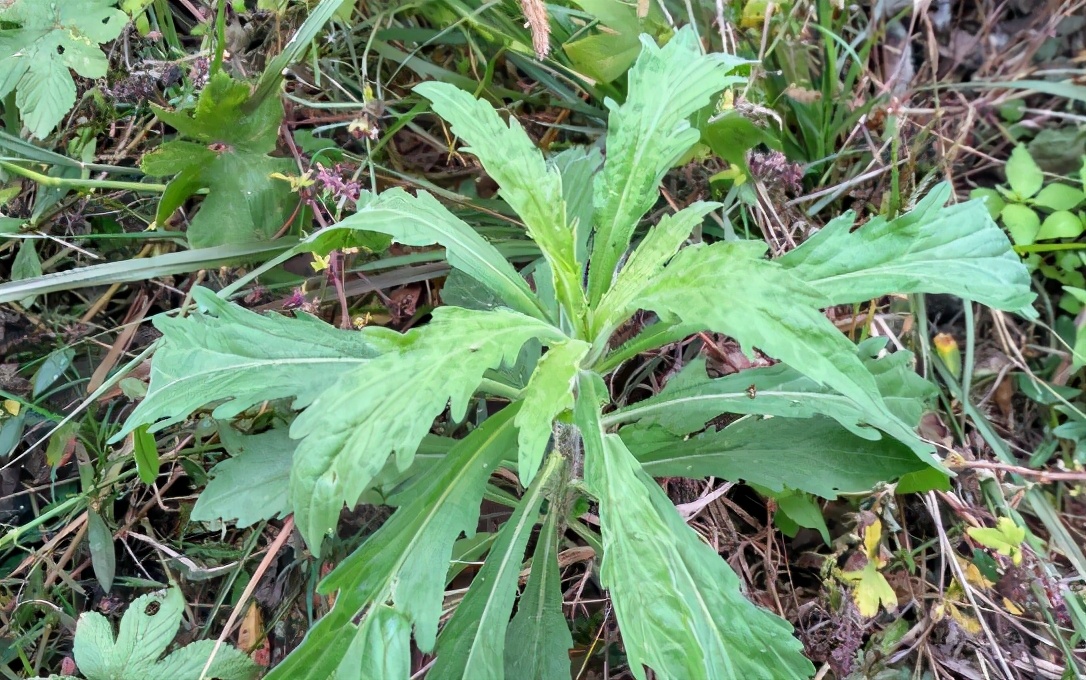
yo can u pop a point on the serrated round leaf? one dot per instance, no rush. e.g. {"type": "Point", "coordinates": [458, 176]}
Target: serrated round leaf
{"type": "Point", "coordinates": [1059, 197]}
{"type": "Point", "coordinates": [992, 200]}
{"type": "Point", "coordinates": [1060, 224]}
{"type": "Point", "coordinates": [1022, 222]}
{"type": "Point", "coordinates": [1023, 173]}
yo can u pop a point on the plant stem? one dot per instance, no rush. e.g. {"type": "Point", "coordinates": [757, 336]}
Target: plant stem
{"type": "Point", "coordinates": [68, 182]}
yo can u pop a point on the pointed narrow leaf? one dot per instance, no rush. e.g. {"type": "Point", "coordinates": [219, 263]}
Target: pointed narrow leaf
{"type": "Point", "coordinates": [422, 221]}
{"type": "Point", "coordinates": [578, 166]}
{"type": "Point", "coordinates": [348, 432]}
{"type": "Point", "coordinates": [472, 644]}
{"type": "Point", "coordinates": [678, 604]}
{"type": "Point", "coordinates": [103, 555]}
{"type": "Point", "coordinates": [549, 392]}
{"type": "Point", "coordinates": [241, 358]}
{"type": "Point", "coordinates": [956, 249]}
{"type": "Point", "coordinates": [380, 650]}
{"type": "Point", "coordinates": [538, 640]}
{"type": "Point", "coordinates": [646, 135]}
{"type": "Point", "coordinates": [406, 560]}
{"type": "Point", "coordinates": [531, 187]}
{"type": "Point", "coordinates": [729, 289]}
{"type": "Point", "coordinates": [145, 451]}
{"type": "Point", "coordinates": [815, 455]}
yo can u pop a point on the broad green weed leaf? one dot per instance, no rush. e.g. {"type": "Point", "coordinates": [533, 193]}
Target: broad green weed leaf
{"type": "Point", "coordinates": [407, 559]}
{"type": "Point", "coordinates": [647, 261]}
{"type": "Point", "coordinates": [241, 358]}
{"type": "Point", "coordinates": [27, 265]}
{"type": "Point", "coordinates": [645, 136]}
{"type": "Point", "coordinates": [549, 392]}
{"type": "Point", "coordinates": [244, 202]}
{"type": "Point", "coordinates": [729, 289]}
{"type": "Point", "coordinates": [527, 183]}
{"type": "Point", "coordinates": [472, 644]}
{"type": "Point", "coordinates": [145, 451]}
{"type": "Point", "coordinates": [795, 510]}
{"type": "Point", "coordinates": [348, 432]}
{"type": "Point", "coordinates": [53, 36]}
{"type": "Point", "coordinates": [538, 641]}
{"type": "Point", "coordinates": [219, 117]}
{"type": "Point", "coordinates": [692, 398]}
{"type": "Point", "coordinates": [422, 221]}
{"type": "Point", "coordinates": [380, 650]}
{"type": "Point", "coordinates": [1023, 174]}
{"type": "Point", "coordinates": [678, 604]}
{"type": "Point", "coordinates": [956, 249]}
{"type": "Point", "coordinates": [147, 629]}
{"type": "Point", "coordinates": [815, 455]}
{"type": "Point", "coordinates": [253, 484]}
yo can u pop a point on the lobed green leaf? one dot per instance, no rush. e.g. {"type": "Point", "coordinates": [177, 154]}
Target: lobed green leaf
{"type": "Point", "coordinates": [691, 398]}
{"type": "Point", "coordinates": [472, 644]}
{"type": "Point", "coordinates": [527, 183]}
{"type": "Point", "coordinates": [348, 433]}
{"type": "Point", "coordinates": [538, 640]}
{"type": "Point", "coordinates": [678, 604]}
{"type": "Point", "coordinates": [240, 358]}
{"type": "Point", "coordinates": [549, 392]}
{"type": "Point", "coordinates": [728, 288]}
{"type": "Point", "coordinates": [815, 455]}
{"type": "Point", "coordinates": [646, 135]}
{"type": "Point", "coordinates": [932, 249]}
{"type": "Point", "coordinates": [406, 560]}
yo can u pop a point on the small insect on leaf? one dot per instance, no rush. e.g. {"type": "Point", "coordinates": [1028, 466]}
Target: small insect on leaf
{"type": "Point", "coordinates": [752, 391]}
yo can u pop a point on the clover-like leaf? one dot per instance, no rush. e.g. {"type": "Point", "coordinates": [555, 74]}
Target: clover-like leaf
{"type": "Point", "coordinates": [407, 559]}
{"type": "Point", "coordinates": [348, 433]}
{"type": "Point", "coordinates": [1006, 538]}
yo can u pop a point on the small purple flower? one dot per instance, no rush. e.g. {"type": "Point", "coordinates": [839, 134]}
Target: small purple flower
{"type": "Point", "coordinates": [334, 182]}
